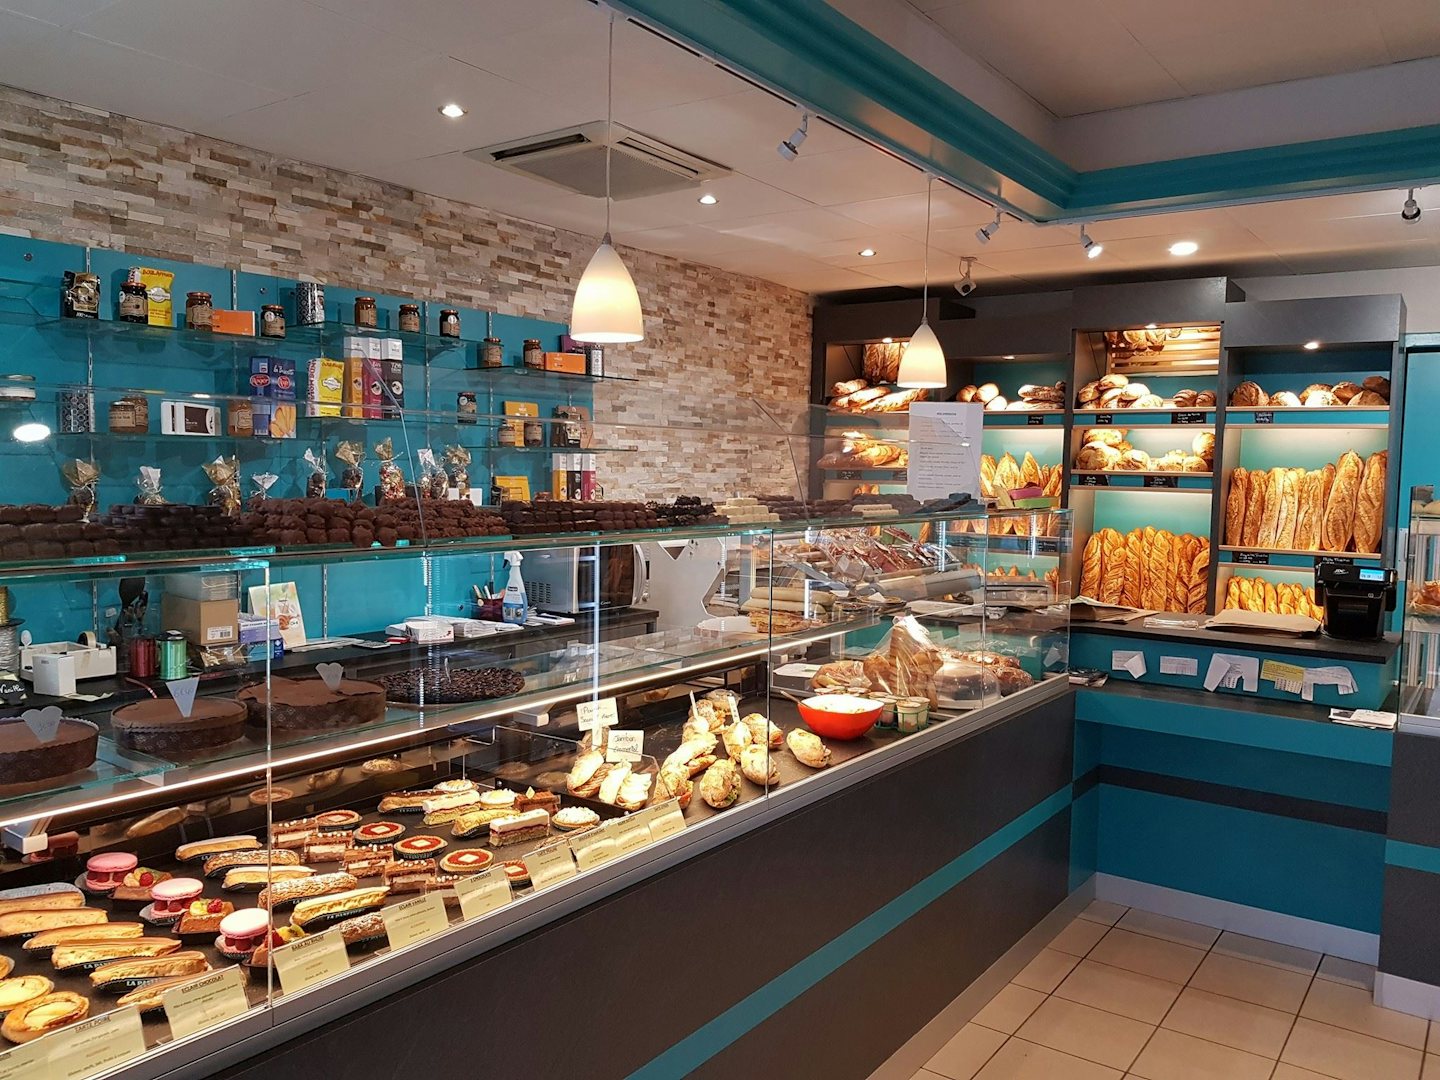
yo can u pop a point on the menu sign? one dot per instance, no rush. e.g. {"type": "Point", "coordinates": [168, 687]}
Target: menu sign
{"type": "Point", "coordinates": [311, 960]}
{"type": "Point", "coordinates": [93, 1046]}
{"type": "Point", "coordinates": [482, 893]}
{"type": "Point", "coordinates": [944, 448]}
{"type": "Point", "coordinates": [415, 920]}
{"type": "Point", "coordinates": [205, 1002]}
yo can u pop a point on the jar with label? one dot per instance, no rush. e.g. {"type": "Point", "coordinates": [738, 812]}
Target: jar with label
{"type": "Point", "coordinates": [465, 407]}
{"type": "Point", "coordinates": [133, 305]}
{"type": "Point", "coordinates": [80, 295]}
{"type": "Point", "coordinates": [366, 313]}
{"type": "Point", "coordinates": [130, 415]}
{"type": "Point", "coordinates": [199, 306]}
{"type": "Point", "coordinates": [410, 318]}
{"type": "Point", "coordinates": [492, 353]}
{"type": "Point", "coordinates": [272, 321]}
{"type": "Point", "coordinates": [533, 355]}
{"type": "Point", "coordinates": [510, 433]}
{"type": "Point", "coordinates": [241, 421]}
{"type": "Point", "coordinates": [449, 323]}
{"type": "Point", "coordinates": [534, 432]}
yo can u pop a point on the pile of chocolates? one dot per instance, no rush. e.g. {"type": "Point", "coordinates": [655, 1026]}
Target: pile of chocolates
{"type": "Point", "coordinates": [52, 532]}
{"type": "Point", "coordinates": [444, 685]}
{"type": "Point", "coordinates": [543, 516]}
{"type": "Point", "coordinates": [174, 527]}
{"type": "Point", "coordinates": [293, 522]}
{"type": "Point", "coordinates": [789, 508]}
{"type": "Point", "coordinates": [686, 510]}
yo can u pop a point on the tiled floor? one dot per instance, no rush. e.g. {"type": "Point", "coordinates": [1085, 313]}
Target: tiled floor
{"type": "Point", "coordinates": [1125, 993]}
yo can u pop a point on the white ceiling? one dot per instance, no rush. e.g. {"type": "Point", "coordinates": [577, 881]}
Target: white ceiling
{"type": "Point", "coordinates": [355, 84]}
{"type": "Point", "coordinates": [1083, 56]}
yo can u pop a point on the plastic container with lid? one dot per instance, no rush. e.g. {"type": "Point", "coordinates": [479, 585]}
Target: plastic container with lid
{"type": "Point", "coordinates": [960, 684]}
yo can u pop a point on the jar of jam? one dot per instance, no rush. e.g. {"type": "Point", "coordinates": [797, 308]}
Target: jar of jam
{"type": "Point", "coordinates": [366, 313]}
{"type": "Point", "coordinates": [510, 433]}
{"type": "Point", "coordinates": [272, 321]}
{"type": "Point", "coordinates": [410, 318]}
{"type": "Point", "coordinates": [199, 306]}
{"type": "Point", "coordinates": [449, 323]}
{"type": "Point", "coordinates": [492, 353]}
{"type": "Point", "coordinates": [130, 415]}
{"type": "Point", "coordinates": [133, 305]}
{"type": "Point", "coordinates": [532, 354]}
{"type": "Point", "coordinates": [534, 433]}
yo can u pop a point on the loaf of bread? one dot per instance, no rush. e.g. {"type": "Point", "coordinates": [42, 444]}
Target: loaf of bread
{"type": "Point", "coordinates": [1270, 520]}
{"type": "Point", "coordinates": [1368, 399]}
{"type": "Point", "coordinates": [1339, 523]}
{"type": "Point", "coordinates": [1258, 485]}
{"type": "Point", "coordinates": [1248, 395]}
{"type": "Point", "coordinates": [1289, 508]}
{"type": "Point", "coordinates": [1235, 506]}
{"type": "Point", "coordinates": [1199, 580]}
{"type": "Point", "coordinates": [1090, 567]}
{"type": "Point", "coordinates": [987, 476]}
{"type": "Point", "coordinates": [1158, 568]}
{"type": "Point", "coordinates": [1134, 568]}
{"type": "Point", "coordinates": [1007, 474]}
{"type": "Point", "coordinates": [1053, 482]}
{"type": "Point", "coordinates": [1344, 391]}
{"type": "Point", "coordinates": [1370, 504]}
{"type": "Point", "coordinates": [1030, 471]}
{"type": "Point", "coordinates": [1307, 522]}
{"type": "Point", "coordinates": [1112, 567]}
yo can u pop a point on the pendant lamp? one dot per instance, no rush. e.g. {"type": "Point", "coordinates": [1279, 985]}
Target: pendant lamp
{"type": "Point", "coordinates": [922, 366]}
{"type": "Point", "coordinates": [607, 307]}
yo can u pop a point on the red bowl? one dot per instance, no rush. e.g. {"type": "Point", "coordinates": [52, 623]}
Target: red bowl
{"type": "Point", "coordinates": [840, 716]}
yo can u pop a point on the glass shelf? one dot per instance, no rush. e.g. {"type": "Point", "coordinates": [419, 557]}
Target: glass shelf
{"type": "Point", "coordinates": [512, 372]}
{"type": "Point", "coordinates": [561, 449]}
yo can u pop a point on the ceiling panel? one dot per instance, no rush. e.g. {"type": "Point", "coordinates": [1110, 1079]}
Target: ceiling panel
{"type": "Point", "coordinates": [55, 12]}
{"type": "Point", "coordinates": [843, 176]}
{"type": "Point", "coordinates": [905, 214]}
{"type": "Point", "coordinates": [1411, 27]}
{"type": "Point", "coordinates": [435, 23]}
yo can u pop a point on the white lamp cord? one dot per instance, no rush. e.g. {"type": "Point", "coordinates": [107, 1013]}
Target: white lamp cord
{"type": "Point", "coordinates": [925, 290]}
{"type": "Point", "coordinates": [609, 118]}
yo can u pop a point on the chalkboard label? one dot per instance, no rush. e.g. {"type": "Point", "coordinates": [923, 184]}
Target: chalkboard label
{"type": "Point", "coordinates": [1035, 420]}
{"type": "Point", "coordinates": [1162, 482]}
{"type": "Point", "coordinates": [1264, 418]}
{"type": "Point", "coordinates": [1333, 560]}
{"type": "Point", "coordinates": [1093, 481]}
{"type": "Point", "coordinates": [1104, 418]}
{"type": "Point", "coordinates": [1252, 558]}
{"type": "Point", "coordinates": [1187, 418]}
{"type": "Point", "coordinates": [847, 474]}
{"type": "Point", "coordinates": [902, 475]}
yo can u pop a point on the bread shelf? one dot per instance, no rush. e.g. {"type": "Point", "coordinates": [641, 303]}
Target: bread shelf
{"type": "Point", "coordinates": [1295, 553]}
{"type": "Point", "coordinates": [1142, 473]}
{"type": "Point", "coordinates": [1137, 417]}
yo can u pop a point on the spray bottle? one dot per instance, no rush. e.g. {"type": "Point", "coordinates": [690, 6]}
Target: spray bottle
{"type": "Point", "coordinates": [513, 607]}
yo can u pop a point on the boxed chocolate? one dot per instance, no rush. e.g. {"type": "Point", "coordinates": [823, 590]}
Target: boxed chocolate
{"type": "Point", "coordinates": [325, 387]}
{"type": "Point", "coordinates": [272, 385]}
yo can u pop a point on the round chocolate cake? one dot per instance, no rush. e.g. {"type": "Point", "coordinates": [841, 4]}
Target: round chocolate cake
{"type": "Point", "coordinates": [436, 685]}
{"type": "Point", "coordinates": [24, 758]}
{"type": "Point", "coordinates": [310, 705]}
{"type": "Point", "coordinates": [155, 726]}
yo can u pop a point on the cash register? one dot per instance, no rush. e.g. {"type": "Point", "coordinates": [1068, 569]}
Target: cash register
{"type": "Point", "coordinates": [1355, 599]}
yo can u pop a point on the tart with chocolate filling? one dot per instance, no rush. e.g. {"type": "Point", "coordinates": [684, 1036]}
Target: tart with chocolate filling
{"type": "Point", "coordinates": [310, 705]}
{"type": "Point", "coordinates": [25, 759]}
{"type": "Point", "coordinates": [156, 725]}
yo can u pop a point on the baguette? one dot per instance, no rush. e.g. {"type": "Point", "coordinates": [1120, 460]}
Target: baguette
{"type": "Point", "coordinates": [1184, 573]}
{"type": "Point", "coordinates": [1289, 508]}
{"type": "Point", "coordinates": [1339, 522]}
{"type": "Point", "coordinates": [1232, 594]}
{"type": "Point", "coordinates": [1134, 569]}
{"type": "Point", "coordinates": [1007, 474]}
{"type": "Point", "coordinates": [987, 476]}
{"type": "Point", "coordinates": [1030, 471]}
{"type": "Point", "coordinates": [1112, 566]}
{"type": "Point", "coordinates": [1235, 506]}
{"type": "Point", "coordinates": [1270, 520]}
{"type": "Point", "coordinates": [1199, 580]}
{"type": "Point", "coordinates": [1257, 486]}
{"type": "Point", "coordinates": [1157, 571]}
{"type": "Point", "coordinates": [1090, 567]}
{"type": "Point", "coordinates": [1370, 504]}
{"type": "Point", "coordinates": [1307, 519]}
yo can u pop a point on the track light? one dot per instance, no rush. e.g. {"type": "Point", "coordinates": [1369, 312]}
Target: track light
{"type": "Point", "coordinates": [1411, 210]}
{"type": "Point", "coordinates": [966, 285]}
{"type": "Point", "coordinates": [1092, 249]}
{"type": "Point", "coordinates": [985, 232]}
{"type": "Point", "coordinates": [789, 149]}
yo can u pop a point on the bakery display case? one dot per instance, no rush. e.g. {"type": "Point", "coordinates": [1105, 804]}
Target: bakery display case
{"type": "Point", "coordinates": [1420, 640]}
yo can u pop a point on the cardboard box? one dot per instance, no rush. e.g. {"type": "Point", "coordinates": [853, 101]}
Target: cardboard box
{"type": "Point", "coordinates": [272, 385]}
{"type": "Point", "coordinates": [225, 321]}
{"type": "Point", "coordinates": [325, 387]}
{"type": "Point", "coordinates": [189, 418]}
{"type": "Point", "coordinates": [571, 363]}
{"type": "Point", "coordinates": [392, 373]}
{"type": "Point", "coordinates": [203, 622]}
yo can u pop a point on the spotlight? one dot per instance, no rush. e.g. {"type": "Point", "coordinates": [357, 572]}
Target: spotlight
{"type": "Point", "coordinates": [1092, 249]}
{"type": "Point", "coordinates": [1411, 210]}
{"type": "Point", "coordinates": [31, 432]}
{"type": "Point", "coordinates": [966, 285]}
{"type": "Point", "coordinates": [1184, 247]}
{"type": "Point", "coordinates": [789, 149]}
{"type": "Point", "coordinates": [866, 253]}
{"type": "Point", "coordinates": [453, 111]}
{"type": "Point", "coordinates": [985, 232]}
{"type": "Point", "coordinates": [887, 340]}
{"type": "Point", "coordinates": [1311, 346]}
{"type": "Point", "coordinates": [707, 199]}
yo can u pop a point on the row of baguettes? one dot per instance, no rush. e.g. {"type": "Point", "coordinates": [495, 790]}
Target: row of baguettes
{"type": "Point", "coordinates": [1338, 508]}
{"type": "Point", "coordinates": [1146, 568]}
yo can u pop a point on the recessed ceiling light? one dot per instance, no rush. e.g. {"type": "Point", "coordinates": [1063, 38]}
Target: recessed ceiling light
{"type": "Point", "coordinates": [866, 253]}
{"type": "Point", "coordinates": [1184, 247]}
{"type": "Point", "coordinates": [887, 340]}
{"type": "Point", "coordinates": [708, 200]}
{"type": "Point", "coordinates": [1009, 356]}
{"type": "Point", "coordinates": [453, 111]}
{"type": "Point", "coordinates": [32, 432]}
{"type": "Point", "coordinates": [1312, 345]}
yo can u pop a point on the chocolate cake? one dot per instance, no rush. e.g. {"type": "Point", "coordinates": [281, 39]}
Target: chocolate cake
{"type": "Point", "coordinates": [155, 726]}
{"type": "Point", "coordinates": [24, 758]}
{"type": "Point", "coordinates": [308, 704]}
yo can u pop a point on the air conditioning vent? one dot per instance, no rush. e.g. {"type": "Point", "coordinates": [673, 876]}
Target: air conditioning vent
{"type": "Point", "coordinates": [574, 159]}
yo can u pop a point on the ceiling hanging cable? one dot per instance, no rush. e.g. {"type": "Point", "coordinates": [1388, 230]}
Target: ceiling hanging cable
{"type": "Point", "coordinates": [923, 364]}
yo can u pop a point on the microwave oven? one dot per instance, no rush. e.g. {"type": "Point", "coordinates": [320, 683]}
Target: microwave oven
{"type": "Point", "coordinates": [568, 581]}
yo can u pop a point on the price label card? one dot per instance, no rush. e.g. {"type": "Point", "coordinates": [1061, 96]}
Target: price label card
{"type": "Point", "coordinates": [664, 820]}
{"type": "Point", "coordinates": [593, 848]}
{"type": "Point", "coordinates": [847, 474]}
{"type": "Point", "coordinates": [549, 866]}
{"type": "Point", "coordinates": [482, 893]}
{"type": "Point", "coordinates": [1162, 481]}
{"type": "Point", "coordinates": [311, 960]}
{"type": "Point", "coordinates": [205, 1001]}
{"type": "Point", "coordinates": [1091, 480]}
{"type": "Point", "coordinates": [631, 833]}
{"type": "Point", "coordinates": [1187, 418]}
{"type": "Point", "coordinates": [625, 745]}
{"type": "Point", "coordinates": [92, 1046]}
{"type": "Point", "coordinates": [1253, 558]}
{"type": "Point", "coordinates": [23, 1062]}
{"type": "Point", "coordinates": [1275, 671]}
{"type": "Point", "coordinates": [902, 476]}
{"type": "Point", "coordinates": [415, 920]}
{"type": "Point", "coordinates": [44, 724]}
{"type": "Point", "coordinates": [1264, 418]}
{"type": "Point", "coordinates": [1104, 418]}
{"type": "Point", "coordinates": [1179, 665]}
{"type": "Point", "coordinates": [595, 715]}
{"type": "Point", "coordinates": [1035, 420]}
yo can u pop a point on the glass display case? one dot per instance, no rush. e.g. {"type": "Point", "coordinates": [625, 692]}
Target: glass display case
{"type": "Point", "coordinates": [1420, 641]}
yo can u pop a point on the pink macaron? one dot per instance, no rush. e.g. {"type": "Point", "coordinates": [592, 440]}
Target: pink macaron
{"type": "Point", "coordinates": [243, 931]}
{"type": "Point", "coordinates": [104, 873]}
{"type": "Point", "coordinates": [174, 896]}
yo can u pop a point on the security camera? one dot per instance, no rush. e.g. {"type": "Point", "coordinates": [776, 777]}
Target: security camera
{"type": "Point", "coordinates": [965, 288]}
{"type": "Point", "coordinates": [789, 149]}
{"type": "Point", "coordinates": [1411, 210]}
{"type": "Point", "coordinates": [966, 285]}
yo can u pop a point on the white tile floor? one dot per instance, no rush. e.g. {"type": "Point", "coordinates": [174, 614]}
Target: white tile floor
{"type": "Point", "coordinates": [1126, 993]}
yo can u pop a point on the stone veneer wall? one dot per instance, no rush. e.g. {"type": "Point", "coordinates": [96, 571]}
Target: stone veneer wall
{"type": "Point", "coordinates": [715, 340]}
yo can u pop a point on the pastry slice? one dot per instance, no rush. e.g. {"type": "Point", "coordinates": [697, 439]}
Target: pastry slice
{"type": "Point", "coordinates": [366, 862]}
{"type": "Point", "coordinates": [280, 893]}
{"type": "Point", "coordinates": [362, 929]}
{"type": "Point", "coordinates": [411, 875]}
{"type": "Point", "coordinates": [477, 822]}
{"type": "Point", "coordinates": [308, 914]}
{"type": "Point", "coordinates": [41, 898]}
{"type": "Point", "coordinates": [22, 989]}
{"type": "Point", "coordinates": [67, 958]}
{"type": "Point", "coordinates": [219, 864]}
{"type": "Point", "coordinates": [259, 877]}
{"type": "Point", "coordinates": [84, 935]}
{"type": "Point", "coordinates": [25, 923]}
{"type": "Point", "coordinates": [122, 976]}
{"type": "Point", "coordinates": [217, 845]}
{"type": "Point", "coordinates": [44, 1015]}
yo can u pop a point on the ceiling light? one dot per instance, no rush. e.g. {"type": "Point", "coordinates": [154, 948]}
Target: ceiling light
{"type": "Point", "coordinates": [1184, 247]}
{"type": "Point", "coordinates": [707, 199]}
{"type": "Point", "coordinates": [32, 432]}
{"type": "Point", "coordinates": [887, 340]}
{"type": "Point", "coordinates": [789, 149]}
{"type": "Point", "coordinates": [1411, 210]}
{"type": "Point", "coordinates": [985, 232]}
{"type": "Point", "coordinates": [866, 253]}
{"type": "Point", "coordinates": [1008, 356]}
{"type": "Point", "coordinates": [1312, 345]}
{"type": "Point", "coordinates": [1092, 249]}
{"type": "Point", "coordinates": [453, 111]}
{"type": "Point", "coordinates": [923, 364]}
{"type": "Point", "coordinates": [607, 307]}
{"type": "Point", "coordinates": [1151, 326]}
{"type": "Point", "coordinates": [966, 285]}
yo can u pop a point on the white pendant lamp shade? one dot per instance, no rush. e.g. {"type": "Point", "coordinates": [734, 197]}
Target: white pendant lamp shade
{"type": "Point", "coordinates": [607, 307]}
{"type": "Point", "coordinates": [922, 365]}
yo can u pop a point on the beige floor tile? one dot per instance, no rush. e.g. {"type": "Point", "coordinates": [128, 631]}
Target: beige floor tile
{"type": "Point", "coordinates": [1147, 955]}
{"type": "Point", "coordinates": [1431, 1069]}
{"type": "Point", "coordinates": [1021, 1060]}
{"type": "Point", "coordinates": [1347, 971]}
{"type": "Point", "coordinates": [1351, 1008]}
{"type": "Point", "coordinates": [1432, 1042]}
{"type": "Point", "coordinates": [1116, 990]}
{"type": "Point", "coordinates": [1347, 1055]}
{"type": "Point", "coordinates": [1046, 971]}
{"type": "Point", "coordinates": [926, 1074]}
{"type": "Point", "coordinates": [1290, 1072]}
{"type": "Point", "coordinates": [1173, 1056]}
{"type": "Point", "coordinates": [1008, 1009]}
{"type": "Point", "coordinates": [1224, 1020]}
{"type": "Point", "coordinates": [1079, 937]}
{"type": "Point", "coordinates": [1103, 911]}
{"type": "Point", "coordinates": [1162, 926]}
{"type": "Point", "coordinates": [1268, 952]}
{"type": "Point", "coordinates": [1087, 1033]}
{"type": "Point", "coordinates": [1259, 984]}
{"type": "Point", "coordinates": [966, 1053]}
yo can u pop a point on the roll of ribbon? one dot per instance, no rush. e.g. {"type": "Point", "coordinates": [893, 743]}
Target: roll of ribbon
{"type": "Point", "coordinates": [88, 639]}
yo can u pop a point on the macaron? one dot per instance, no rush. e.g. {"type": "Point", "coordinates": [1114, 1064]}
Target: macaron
{"type": "Point", "coordinates": [171, 898]}
{"type": "Point", "coordinates": [242, 931]}
{"type": "Point", "coordinates": [103, 873]}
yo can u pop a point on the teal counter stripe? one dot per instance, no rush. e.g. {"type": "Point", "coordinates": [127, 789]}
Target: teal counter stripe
{"type": "Point", "coordinates": [701, 1045]}
{"type": "Point", "coordinates": [1412, 856]}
